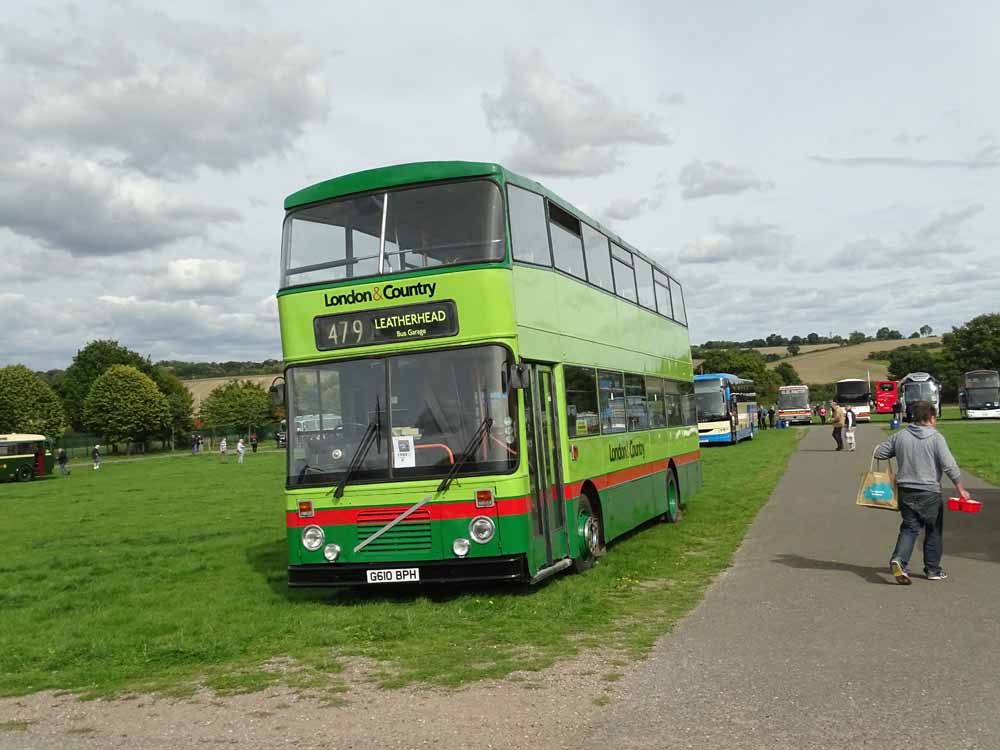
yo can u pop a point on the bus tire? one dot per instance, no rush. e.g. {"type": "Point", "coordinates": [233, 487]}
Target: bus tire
{"type": "Point", "coordinates": [24, 473]}
{"type": "Point", "coordinates": [674, 506]}
{"type": "Point", "coordinates": [588, 526]}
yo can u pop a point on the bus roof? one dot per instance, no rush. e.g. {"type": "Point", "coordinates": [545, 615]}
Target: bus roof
{"type": "Point", "coordinates": [852, 380]}
{"type": "Point", "coordinates": [15, 437]}
{"type": "Point", "coordinates": [796, 387]}
{"type": "Point", "coordinates": [722, 376]}
{"type": "Point", "coordinates": [401, 175]}
{"type": "Point", "coordinates": [917, 377]}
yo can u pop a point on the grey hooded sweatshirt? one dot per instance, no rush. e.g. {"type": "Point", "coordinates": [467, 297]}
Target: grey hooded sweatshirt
{"type": "Point", "coordinates": [922, 455]}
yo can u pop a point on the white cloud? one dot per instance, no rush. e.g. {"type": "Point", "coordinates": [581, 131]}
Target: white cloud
{"type": "Point", "coordinates": [754, 242]}
{"type": "Point", "coordinates": [88, 208]}
{"type": "Point", "coordinates": [199, 278]}
{"type": "Point", "coordinates": [926, 246]}
{"type": "Point", "coordinates": [703, 179]}
{"type": "Point", "coordinates": [564, 125]}
{"type": "Point", "coordinates": [625, 209]}
{"type": "Point", "coordinates": [987, 157]}
{"type": "Point", "coordinates": [167, 101]}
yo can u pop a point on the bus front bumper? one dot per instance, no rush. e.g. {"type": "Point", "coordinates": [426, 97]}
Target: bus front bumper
{"type": "Point", "coordinates": [506, 568]}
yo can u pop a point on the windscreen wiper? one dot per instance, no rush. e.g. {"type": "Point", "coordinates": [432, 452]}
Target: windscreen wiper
{"type": "Point", "coordinates": [486, 424]}
{"type": "Point", "coordinates": [367, 440]}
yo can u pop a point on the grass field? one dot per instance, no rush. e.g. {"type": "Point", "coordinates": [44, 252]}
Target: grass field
{"type": "Point", "coordinates": [169, 574]}
{"type": "Point", "coordinates": [949, 413]}
{"type": "Point", "coordinates": [976, 447]}
{"type": "Point", "coordinates": [829, 365]}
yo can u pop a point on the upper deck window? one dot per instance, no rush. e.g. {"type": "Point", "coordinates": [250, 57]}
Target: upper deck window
{"type": "Point", "coordinates": [529, 236]}
{"type": "Point", "coordinates": [567, 245]}
{"type": "Point", "coordinates": [393, 232]}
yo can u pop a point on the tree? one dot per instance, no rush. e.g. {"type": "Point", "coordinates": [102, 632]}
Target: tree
{"type": "Point", "coordinates": [926, 330]}
{"type": "Point", "coordinates": [787, 373]}
{"type": "Point", "coordinates": [245, 404]}
{"type": "Point", "coordinates": [793, 349]}
{"type": "Point", "coordinates": [914, 335]}
{"type": "Point", "coordinates": [975, 345]}
{"type": "Point", "coordinates": [856, 337]}
{"type": "Point", "coordinates": [179, 400]}
{"type": "Point", "coordinates": [124, 404]}
{"type": "Point", "coordinates": [882, 334]}
{"type": "Point", "coordinates": [907, 359]}
{"type": "Point", "coordinates": [747, 364]}
{"type": "Point", "coordinates": [776, 340]}
{"type": "Point", "coordinates": [812, 338]}
{"type": "Point", "coordinates": [895, 335]}
{"type": "Point", "coordinates": [88, 365]}
{"type": "Point", "coordinates": [28, 404]}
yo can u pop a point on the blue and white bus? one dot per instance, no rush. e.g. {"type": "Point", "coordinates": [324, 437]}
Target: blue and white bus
{"type": "Point", "coordinates": [727, 408]}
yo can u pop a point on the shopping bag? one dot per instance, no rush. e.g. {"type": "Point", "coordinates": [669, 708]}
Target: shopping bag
{"type": "Point", "coordinates": [878, 488]}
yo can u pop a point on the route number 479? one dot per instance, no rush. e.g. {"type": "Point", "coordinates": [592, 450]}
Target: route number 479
{"type": "Point", "coordinates": [341, 329]}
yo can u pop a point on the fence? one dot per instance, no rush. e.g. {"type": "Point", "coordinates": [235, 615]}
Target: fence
{"type": "Point", "coordinates": [78, 445]}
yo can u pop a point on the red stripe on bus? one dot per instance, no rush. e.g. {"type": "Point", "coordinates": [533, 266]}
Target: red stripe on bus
{"type": "Point", "coordinates": [508, 506]}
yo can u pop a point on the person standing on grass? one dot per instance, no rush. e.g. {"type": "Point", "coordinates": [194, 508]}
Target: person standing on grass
{"type": "Point", "coordinates": [62, 459]}
{"type": "Point", "coordinates": [838, 425]}
{"type": "Point", "coordinates": [241, 448]}
{"type": "Point", "coordinates": [770, 417]}
{"type": "Point", "coordinates": [95, 454]}
{"type": "Point", "coordinates": [223, 449]}
{"type": "Point", "coordinates": [922, 455]}
{"type": "Point", "coordinates": [822, 413]}
{"type": "Point", "coordinates": [253, 441]}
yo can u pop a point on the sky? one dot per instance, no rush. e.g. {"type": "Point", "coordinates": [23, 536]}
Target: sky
{"type": "Point", "coordinates": [798, 167]}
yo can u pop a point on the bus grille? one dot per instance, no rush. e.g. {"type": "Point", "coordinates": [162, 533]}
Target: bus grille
{"type": "Point", "coordinates": [411, 535]}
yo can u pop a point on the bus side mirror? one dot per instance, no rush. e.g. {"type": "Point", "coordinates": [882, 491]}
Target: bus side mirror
{"type": "Point", "coordinates": [517, 377]}
{"type": "Point", "coordinates": [277, 391]}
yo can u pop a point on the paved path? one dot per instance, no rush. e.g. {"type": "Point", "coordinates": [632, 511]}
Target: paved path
{"type": "Point", "coordinates": [806, 642]}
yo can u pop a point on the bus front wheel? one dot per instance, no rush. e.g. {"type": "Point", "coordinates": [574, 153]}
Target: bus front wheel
{"type": "Point", "coordinates": [24, 473]}
{"type": "Point", "coordinates": [588, 526]}
{"type": "Point", "coordinates": [674, 512]}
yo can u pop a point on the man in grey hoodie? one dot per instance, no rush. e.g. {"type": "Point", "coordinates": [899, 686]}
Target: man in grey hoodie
{"type": "Point", "coordinates": [922, 455]}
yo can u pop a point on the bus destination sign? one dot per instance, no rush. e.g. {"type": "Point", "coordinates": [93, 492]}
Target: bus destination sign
{"type": "Point", "coordinates": [430, 320]}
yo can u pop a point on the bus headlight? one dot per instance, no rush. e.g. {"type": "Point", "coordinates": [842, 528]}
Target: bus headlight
{"type": "Point", "coordinates": [481, 529]}
{"type": "Point", "coordinates": [460, 547]}
{"type": "Point", "coordinates": [313, 538]}
{"type": "Point", "coordinates": [331, 552]}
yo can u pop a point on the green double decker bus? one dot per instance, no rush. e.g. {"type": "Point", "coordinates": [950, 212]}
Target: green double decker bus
{"type": "Point", "coordinates": [482, 383]}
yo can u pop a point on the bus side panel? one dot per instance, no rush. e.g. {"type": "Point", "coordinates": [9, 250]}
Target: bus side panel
{"type": "Point", "coordinates": [689, 479]}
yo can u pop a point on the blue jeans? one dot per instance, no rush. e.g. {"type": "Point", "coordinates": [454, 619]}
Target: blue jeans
{"type": "Point", "coordinates": [921, 510]}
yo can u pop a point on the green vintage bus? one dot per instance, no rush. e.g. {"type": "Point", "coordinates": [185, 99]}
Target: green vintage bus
{"type": "Point", "coordinates": [24, 457]}
{"type": "Point", "coordinates": [482, 382]}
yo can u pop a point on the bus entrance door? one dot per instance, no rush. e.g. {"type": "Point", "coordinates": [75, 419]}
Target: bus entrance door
{"type": "Point", "coordinates": [548, 511]}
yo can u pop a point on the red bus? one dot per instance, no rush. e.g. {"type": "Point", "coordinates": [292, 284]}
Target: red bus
{"type": "Point", "coordinates": [886, 394]}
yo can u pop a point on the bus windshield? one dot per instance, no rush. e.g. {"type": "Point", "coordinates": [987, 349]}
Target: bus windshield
{"type": "Point", "coordinates": [393, 232]}
{"type": "Point", "coordinates": [710, 401]}
{"type": "Point", "coordinates": [425, 408]}
{"type": "Point", "coordinates": [852, 392]}
{"type": "Point", "coordinates": [793, 399]}
{"type": "Point", "coordinates": [982, 380]}
{"type": "Point", "coordinates": [922, 391]}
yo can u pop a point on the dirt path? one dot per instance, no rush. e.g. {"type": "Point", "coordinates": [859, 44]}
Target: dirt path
{"type": "Point", "coordinates": [538, 710]}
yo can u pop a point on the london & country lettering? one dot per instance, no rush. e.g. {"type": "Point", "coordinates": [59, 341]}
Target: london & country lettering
{"type": "Point", "coordinates": [389, 291]}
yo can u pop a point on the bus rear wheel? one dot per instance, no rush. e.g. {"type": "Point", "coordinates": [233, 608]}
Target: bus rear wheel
{"type": "Point", "coordinates": [24, 473]}
{"type": "Point", "coordinates": [674, 512]}
{"type": "Point", "coordinates": [588, 526]}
